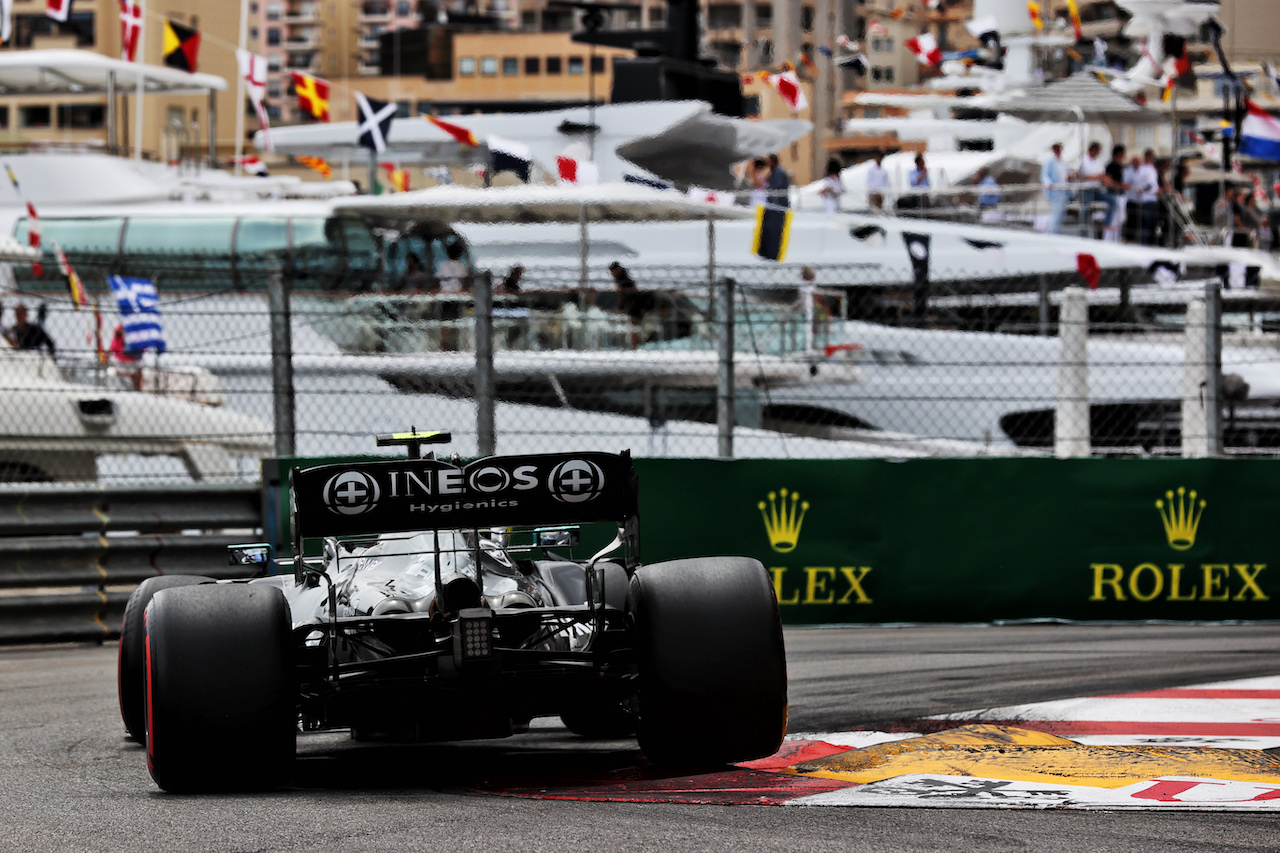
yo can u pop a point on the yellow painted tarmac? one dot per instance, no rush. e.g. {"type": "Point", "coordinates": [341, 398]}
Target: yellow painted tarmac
{"type": "Point", "coordinates": [1021, 755]}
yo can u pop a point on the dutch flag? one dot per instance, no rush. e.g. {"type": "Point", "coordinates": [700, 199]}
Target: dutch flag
{"type": "Point", "coordinates": [1259, 134]}
{"type": "Point", "coordinates": [139, 306]}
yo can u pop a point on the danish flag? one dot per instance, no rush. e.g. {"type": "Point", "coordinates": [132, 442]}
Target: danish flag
{"type": "Point", "coordinates": [130, 26]}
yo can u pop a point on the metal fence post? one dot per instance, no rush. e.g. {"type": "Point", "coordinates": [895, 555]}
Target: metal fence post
{"type": "Point", "coordinates": [483, 290]}
{"type": "Point", "coordinates": [279, 284]}
{"type": "Point", "coordinates": [1213, 366]}
{"type": "Point", "coordinates": [1044, 304]}
{"type": "Point", "coordinates": [724, 372]}
{"type": "Point", "coordinates": [1071, 420]}
{"type": "Point", "coordinates": [1195, 384]}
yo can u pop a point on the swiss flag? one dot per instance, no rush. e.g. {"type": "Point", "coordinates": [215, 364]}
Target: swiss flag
{"type": "Point", "coordinates": [787, 84]}
{"type": "Point", "coordinates": [1087, 265]}
{"type": "Point", "coordinates": [925, 47]}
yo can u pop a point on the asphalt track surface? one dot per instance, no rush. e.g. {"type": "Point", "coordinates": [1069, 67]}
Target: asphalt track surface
{"type": "Point", "coordinates": [69, 780]}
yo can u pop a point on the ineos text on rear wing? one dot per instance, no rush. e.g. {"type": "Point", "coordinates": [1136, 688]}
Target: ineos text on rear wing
{"type": "Point", "coordinates": [426, 494]}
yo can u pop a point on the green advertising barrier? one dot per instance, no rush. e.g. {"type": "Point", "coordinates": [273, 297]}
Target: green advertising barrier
{"type": "Point", "coordinates": [969, 540]}
{"type": "Point", "coordinates": [976, 540]}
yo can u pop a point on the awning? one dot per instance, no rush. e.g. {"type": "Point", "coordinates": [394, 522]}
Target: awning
{"type": "Point", "coordinates": [1080, 97]}
{"type": "Point", "coordinates": [83, 72]}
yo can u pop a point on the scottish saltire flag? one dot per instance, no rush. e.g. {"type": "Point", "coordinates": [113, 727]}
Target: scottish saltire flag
{"type": "Point", "coordinates": [139, 306]}
{"type": "Point", "coordinates": [1260, 133]}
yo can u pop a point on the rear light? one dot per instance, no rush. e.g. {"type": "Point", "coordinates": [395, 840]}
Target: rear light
{"type": "Point", "coordinates": [473, 635]}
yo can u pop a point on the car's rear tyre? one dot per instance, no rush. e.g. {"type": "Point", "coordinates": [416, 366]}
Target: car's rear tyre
{"type": "Point", "coordinates": [221, 694]}
{"type": "Point", "coordinates": [712, 665]}
{"type": "Point", "coordinates": [133, 642]}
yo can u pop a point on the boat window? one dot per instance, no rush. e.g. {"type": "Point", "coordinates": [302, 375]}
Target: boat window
{"type": "Point", "coordinates": [261, 240]}
{"type": "Point", "coordinates": [78, 236]}
{"type": "Point", "coordinates": [318, 250]}
{"type": "Point", "coordinates": [154, 243]}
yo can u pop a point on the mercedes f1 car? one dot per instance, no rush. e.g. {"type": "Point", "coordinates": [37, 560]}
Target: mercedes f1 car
{"type": "Point", "coordinates": [431, 600]}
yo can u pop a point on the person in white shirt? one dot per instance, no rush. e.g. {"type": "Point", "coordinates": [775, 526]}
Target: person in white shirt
{"type": "Point", "coordinates": [1147, 186]}
{"type": "Point", "coordinates": [1089, 173]}
{"type": "Point", "coordinates": [877, 182]}
{"type": "Point", "coordinates": [832, 187]}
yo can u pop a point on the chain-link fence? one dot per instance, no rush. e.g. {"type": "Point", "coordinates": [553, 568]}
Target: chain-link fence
{"type": "Point", "coordinates": [270, 356]}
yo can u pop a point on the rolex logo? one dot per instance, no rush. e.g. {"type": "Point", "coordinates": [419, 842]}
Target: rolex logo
{"type": "Point", "coordinates": [1181, 517]}
{"type": "Point", "coordinates": [782, 519]}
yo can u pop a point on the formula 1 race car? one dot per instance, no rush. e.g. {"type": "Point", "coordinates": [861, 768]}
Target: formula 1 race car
{"type": "Point", "coordinates": [443, 603]}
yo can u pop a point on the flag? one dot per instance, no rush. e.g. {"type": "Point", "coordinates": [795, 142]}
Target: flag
{"type": "Point", "coordinates": [139, 306]}
{"type": "Point", "coordinates": [461, 134]}
{"type": "Point", "coordinates": [318, 164]}
{"type": "Point", "coordinates": [772, 232]}
{"type": "Point", "coordinates": [33, 221]}
{"type": "Point", "coordinates": [577, 171]}
{"type": "Point", "coordinates": [130, 26]}
{"type": "Point", "coordinates": [78, 295]}
{"type": "Point", "coordinates": [1087, 266]}
{"type": "Point", "coordinates": [181, 44]}
{"type": "Point", "coordinates": [1270, 70]}
{"type": "Point", "coordinates": [925, 47]}
{"type": "Point", "coordinates": [858, 62]}
{"type": "Point", "coordinates": [897, 14]}
{"type": "Point", "coordinates": [508, 156]}
{"type": "Point", "coordinates": [1239, 276]}
{"type": "Point", "coordinates": [808, 64]}
{"type": "Point", "coordinates": [6, 20]}
{"type": "Point", "coordinates": [398, 178]}
{"type": "Point", "coordinates": [375, 122]}
{"type": "Point", "coordinates": [252, 165]}
{"type": "Point", "coordinates": [1259, 133]}
{"type": "Point", "coordinates": [1074, 12]}
{"type": "Point", "coordinates": [787, 84]}
{"type": "Point", "coordinates": [1166, 273]}
{"type": "Point", "coordinates": [918, 250]}
{"type": "Point", "coordinates": [875, 28]}
{"type": "Point", "coordinates": [59, 10]}
{"type": "Point", "coordinates": [253, 69]}
{"type": "Point", "coordinates": [313, 95]}
{"type": "Point", "coordinates": [1099, 51]}
{"type": "Point", "coordinates": [1033, 9]}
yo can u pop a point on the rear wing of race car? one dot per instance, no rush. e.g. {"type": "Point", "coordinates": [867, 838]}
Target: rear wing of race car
{"type": "Point", "coordinates": [403, 495]}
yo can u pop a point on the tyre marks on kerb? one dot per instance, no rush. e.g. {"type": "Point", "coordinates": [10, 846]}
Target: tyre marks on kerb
{"type": "Point", "coordinates": [1199, 747]}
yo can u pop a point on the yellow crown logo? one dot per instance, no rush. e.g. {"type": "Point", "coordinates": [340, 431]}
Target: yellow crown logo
{"type": "Point", "coordinates": [1181, 517]}
{"type": "Point", "coordinates": [782, 519]}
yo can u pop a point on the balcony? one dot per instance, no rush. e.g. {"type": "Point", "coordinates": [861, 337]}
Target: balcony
{"type": "Point", "coordinates": [301, 43]}
{"type": "Point", "coordinates": [375, 12]}
{"type": "Point", "coordinates": [302, 13]}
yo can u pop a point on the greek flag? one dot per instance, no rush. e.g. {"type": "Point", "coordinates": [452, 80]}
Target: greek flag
{"type": "Point", "coordinates": [139, 306]}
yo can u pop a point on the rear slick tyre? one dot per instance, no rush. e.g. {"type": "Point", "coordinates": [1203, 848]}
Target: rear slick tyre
{"type": "Point", "coordinates": [133, 641]}
{"type": "Point", "coordinates": [221, 697]}
{"type": "Point", "coordinates": [712, 664]}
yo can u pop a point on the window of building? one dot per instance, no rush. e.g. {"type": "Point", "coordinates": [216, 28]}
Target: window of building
{"type": "Point", "coordinates": [888, 43]}
{"type": "Point", "coordinates": [554, 64]}
{"type": "Point", "coordinates": [273, 36]}
{"type": "Point", "coordinates": [806, 18]}
{"type": "Point", "coordinates": [877, 74]}
{"type": "Point", "coordinates": [764, 15]}
{"type": "Point", "coordinates": [253, 33]}
{"type": "Point", "coordinates": [35, 115]}
{"type": "Point", "coordinates": [597, 64]}
{"type": "Point", "coordinates": [467, 66]}
{"type": "Point", "coordinates": [274, 89]}
{"type": "Point", "coordinates": [404, 8]}
{"type": "Point", "coordinates": [557, 21]}
{"type": "Point", "coordinates": [751, 105]}
{"type": "Point", "coordinates": [528, 21]}
{"type": "Point", "coordinates": [404, 109]}
{"type": "Point", "coordinates": [510, 66]}
{"type": "Point", "coordinates": [253, 8]}
{"type": "Point", "coordinates": [533, 65]}
{"type": "Point", "coordinates": [888, 74]}
{"type": "Point", "coordinates": [575, 65]}
{"type": "Point", "coordinates": [489, 66]}
{"type": "Point", "coordinates": [82, 116]}
{"type": "Point", "coordinates": [4, 118]}
{"type": "Point", "coordinates": [720, 17]}
{"type": "Point", "coordinates": [28, 27]}
{"type": "Point", "coordinates": [657, 16]}
{"type": "Point", "coordinates": [275, 11]}
{"type": "Point", "coordinates": [274, 62]}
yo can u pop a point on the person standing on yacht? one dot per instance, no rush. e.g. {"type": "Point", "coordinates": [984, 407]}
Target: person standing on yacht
{"type": "Point", "coordinates": [988, 189]}
{"type": "Point", "coordinates": [877, 181]}
{"type": "Point", "coordinates": [758, 175]}
{"type": "Point", "coordinates": [1089, 172]}
{"type": "Point", "coordinates": [1114, 184]}
{"type": "Point", "coordinates": [1147, 187]}
{"type": "Point", "coordinates": [26, 335]}
{"type": "Point", "coordinates": [1053, 175]}
{"type": "Point", "coordinates": [779, 184]}
{"type": "Point", "coordinates": [832, 187]}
